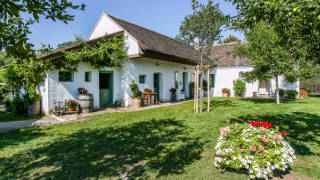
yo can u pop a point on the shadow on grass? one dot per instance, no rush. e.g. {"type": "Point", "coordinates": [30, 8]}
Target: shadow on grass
{"type": "Point", "coordinates": [162, 146]}
{"type": "Point", "coordinates": [302, 128]}
{"type": "Point", "coordinates": [270, 101]}
{"type": "Point", "coordinates": [217, 103]}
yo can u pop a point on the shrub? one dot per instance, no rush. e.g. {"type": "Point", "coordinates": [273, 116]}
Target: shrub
{"type": "Point", "coordinates": [292, 94]}
{"type": "Point", "coordinates": [135, 90]}
{"type": "Point", "coordinates": [256, 147]}
{"type": "Point", "coordinates": [282, 92]}
{"type": "Point", "coordinates": [18, 105]}
{"type": "Point", "coordinates": [239, 87]}
{"type": "Point", "coordinates": [306, 89]}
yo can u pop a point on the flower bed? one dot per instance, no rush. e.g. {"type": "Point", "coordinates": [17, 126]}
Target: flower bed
{"type": "Point", "coordinates": [257, 147]}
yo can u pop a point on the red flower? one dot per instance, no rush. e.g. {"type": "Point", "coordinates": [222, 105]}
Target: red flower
{"type": "Point", "coordinates": [283, 134]}
{"type": "Point", "coordinates": [65, 100]}
{"type": "Point", "coordinates": [70, 101]}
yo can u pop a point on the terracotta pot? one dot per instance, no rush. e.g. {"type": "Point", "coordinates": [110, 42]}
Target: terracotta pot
{"type": "Point", "coordinates": [136, 102]}
{"type": "Point", "coordinates": [72, 108]}
{"type": "Point", "coordinates": [225, 94]}
{"type": "Point", "coordinates": [301, 96]}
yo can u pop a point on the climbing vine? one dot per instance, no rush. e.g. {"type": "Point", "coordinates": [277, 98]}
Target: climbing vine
{"type": "Point", "coordinates": [106, 53]}
{"type": "Point", "coordinates": [29, 74]}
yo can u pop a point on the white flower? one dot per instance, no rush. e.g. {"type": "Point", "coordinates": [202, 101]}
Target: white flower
{"type": "Point", "coordinates": [227, 162]}
{"type": "Point", "coordinates": [251, 157]}
{"type": "Point", "coordinates": [268, 163]}
{"type": "Point", "coordinates": [277, 152]}
{"type": "Point", "coordinates": [252, 176]}
{"type": "Point", "coordinates": [276, 166]}
{"type": "Point", "coordinates": [234, 158]}
{"type": "Point", "coordinates": [250, 171]}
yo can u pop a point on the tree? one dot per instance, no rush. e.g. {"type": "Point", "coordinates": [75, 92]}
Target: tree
{"type": "Point", "coordinates": [296, 23]}
{"type": "Point", "coordinates": [229, 39]}
{"type": "Point", "coordinates": [268, 57]}
{"type": "Point", "coordinates": [17, 16]}
{"type": "Point", "coordinates": [202, 28]}
{"type": "Point", "coordinates": [77, 39]}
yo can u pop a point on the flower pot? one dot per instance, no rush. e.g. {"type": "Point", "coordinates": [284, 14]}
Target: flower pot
{"type": "Point", "coordinates": [225, 94]}
{"type": "Point", "coordinates": [301, 96]}
{"type": "Point", "coordinates": [34, 108]}
{"type": "Point", "coordinates": [136, 102]}
{"type": "Point", "coordinates": [173, 97]}
{"type": "Point", "coordinates": [72, 108]}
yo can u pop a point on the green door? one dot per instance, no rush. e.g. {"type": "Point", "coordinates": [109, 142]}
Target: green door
{"type": "Point", "coordinates": [106, 88]}
{"type": "Point", "coordinates": [156, 84]}
{"type": "Point", "coordinates": [185, 81]}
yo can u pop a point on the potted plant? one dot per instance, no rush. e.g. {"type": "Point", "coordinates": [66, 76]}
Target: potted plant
{"type": "Point", "coordinates": [282, 93]}
{"type": "Point", "coordinates": [226, 92]}
{"type": "Point", "coordinates": [302, 93]}
{"type": "Point", "coordinates": [136, 95]}
{"type": "Point", "coordinates": [147, 90]}
{"type": "Point", "coordinates": [71, 105]}
{"type": "Point", "coordinates": [292, 94]}
{"type": "Point", "coordinates": [34, 104]}
{"type": "Point", "coordinates": [173, 94]}
{"type": "Point", "coordinates": [239, 87]}
{"type": "Point", "coordinates": [82, 91]}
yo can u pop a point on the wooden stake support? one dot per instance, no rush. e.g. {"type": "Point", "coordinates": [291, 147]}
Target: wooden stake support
{"type": "Point", "coordinates": [201, 69]}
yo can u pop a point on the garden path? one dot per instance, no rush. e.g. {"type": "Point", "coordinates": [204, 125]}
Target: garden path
{"type": "Point", "coordinates": [52, 119]}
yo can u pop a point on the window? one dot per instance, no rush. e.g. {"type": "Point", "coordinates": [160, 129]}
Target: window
{"type": "Point", "coordinates": [142, 79]}
{"type": "Point", "coordinates": [192, 77]}
{"type": "Point", "coordinates": [65, 76]}
{"type": "Point", "coordinates": [176, 79]}
{"type": "Point", "coordinates": [212, 80]}
{"type": "Point", "coordinates": [87, 76]}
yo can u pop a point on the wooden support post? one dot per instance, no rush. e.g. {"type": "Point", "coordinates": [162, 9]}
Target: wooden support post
{"type": "Point", "coordinates": [194, 90]}
{"type": "Point", "coordinates": [208, 91]}
{"type": "Point", "coordinates": [197, 90]}
{"type": "Point", "coordinates": [201, 91]}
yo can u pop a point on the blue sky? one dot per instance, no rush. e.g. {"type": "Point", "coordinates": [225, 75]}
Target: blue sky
{"type": "Point", "coordinates": [163, 16]}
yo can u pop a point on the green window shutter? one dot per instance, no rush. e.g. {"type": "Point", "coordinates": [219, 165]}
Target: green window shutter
{"type": "Point", "coordinates": [212, 80]}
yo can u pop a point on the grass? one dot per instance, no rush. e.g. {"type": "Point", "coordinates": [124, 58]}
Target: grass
{"type": "Point", "coordinates": [6, 117]}
{"type": "Point", "coordinates": [164, 143]}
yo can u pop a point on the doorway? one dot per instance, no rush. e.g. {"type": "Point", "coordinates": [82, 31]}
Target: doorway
{"type": "Point", "coordinates": [157, 84]}
{"type": "Point", "coordinates": [185, 83]}
{"type": "Point", "coordinates": [264, 86]}
{"type": "Point", "coordinates": [106, 88]}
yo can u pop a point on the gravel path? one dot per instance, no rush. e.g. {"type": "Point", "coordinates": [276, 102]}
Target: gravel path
{"type": "Point", "coordinates": [52, 119]}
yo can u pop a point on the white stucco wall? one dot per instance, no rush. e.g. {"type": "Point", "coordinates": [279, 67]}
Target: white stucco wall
{"type": "Point", "coordinates": [224, 77]}
{"type": "Point", "coordinates": [106, 25]}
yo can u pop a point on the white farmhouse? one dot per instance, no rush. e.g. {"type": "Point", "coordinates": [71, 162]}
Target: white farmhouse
{"type": "Point", "coordinates": [155, 61]}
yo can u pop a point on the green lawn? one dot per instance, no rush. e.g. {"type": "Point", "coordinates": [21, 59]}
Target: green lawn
{"type": "Point", "coordinates": [164, 143]}
{"type": "Point", "coordinates": [5, 117]}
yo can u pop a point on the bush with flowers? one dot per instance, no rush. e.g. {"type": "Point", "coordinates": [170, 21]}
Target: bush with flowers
{"type": "Point", "coordinates": [256, 147]}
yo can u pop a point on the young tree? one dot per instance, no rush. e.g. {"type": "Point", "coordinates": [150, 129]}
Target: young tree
{"type": "Point", "coordinates": [296, 23]}
{"type": "Point", "coordinates": [268, 57]}
{"type": "Point", "coordinates": [202, 28]}
{"type": "Point", "coordinates": [17, 16]}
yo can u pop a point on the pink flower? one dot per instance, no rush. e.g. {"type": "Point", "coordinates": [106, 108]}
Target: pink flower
{"type": "Point", "coordinates": [264, 129]}
{"type": "Point", "coordinates": [263, 139]}
{"type": "Point", "coordinates": [253, 148]}
{"type": "Point", "coordinates": [277, 136]}
{"type": "Point", "coordinates": [261, 148]}
{"type": "Point", "coordinates": [223, 132]}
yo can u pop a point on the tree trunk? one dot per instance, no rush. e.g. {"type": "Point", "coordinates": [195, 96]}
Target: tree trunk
{"type": "Point", "coordinates": [201, 91]}
{"type": "Point", "coordinates": [277, 90]}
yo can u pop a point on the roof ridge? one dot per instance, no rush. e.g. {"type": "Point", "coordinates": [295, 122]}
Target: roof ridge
{"type": "Point", "coordinates": [229, 44]}
{"type": "Point", "coordinates": [148, 29]}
